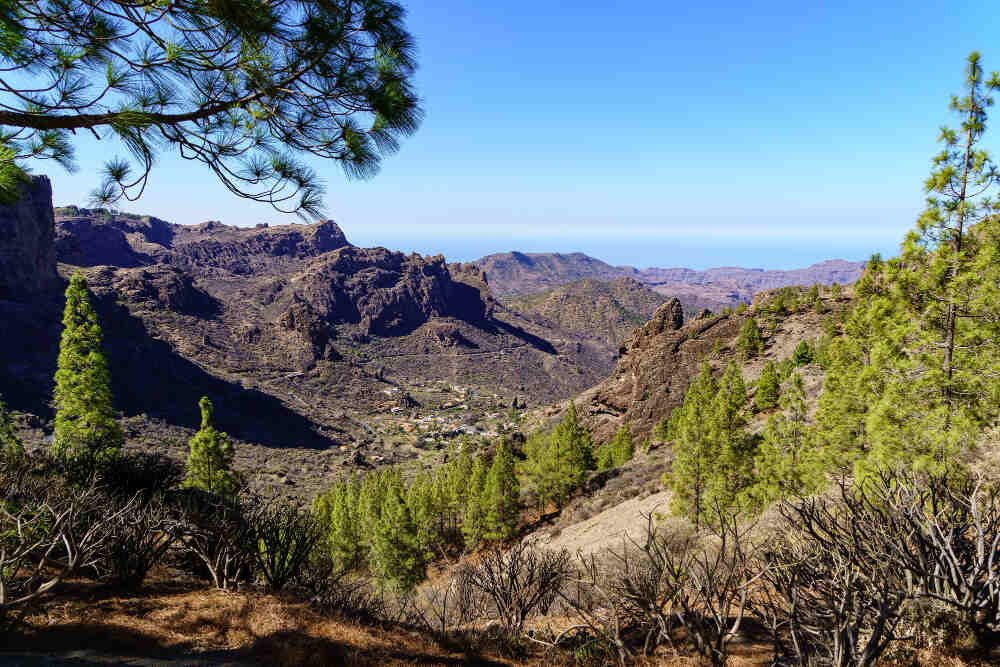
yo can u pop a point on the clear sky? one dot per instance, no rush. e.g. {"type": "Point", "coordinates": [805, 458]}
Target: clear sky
{"type": "Point", "coordinates": [769, 134]}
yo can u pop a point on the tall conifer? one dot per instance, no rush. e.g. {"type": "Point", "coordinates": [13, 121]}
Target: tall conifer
{"type": "Point", "coordinates": [396, 554]}
{"type": "Point", "coordinates": [86, 426]}
{"type": "Point", "coordinates": [501, 496]}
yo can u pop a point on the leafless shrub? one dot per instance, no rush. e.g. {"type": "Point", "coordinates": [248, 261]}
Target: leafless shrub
{"type": "Point", "coordinates": [140, 536]}
{"type": "Point", "coordinates": [217, 533]}
{"type": "Point", "coordinates": [286, 538]}
{"type": "Point", "coordinates": [944, 534]}
{"type": "Point", "coordinates": [357, 599]}
{"type": "Point", "coordinates": [635, 597]}
{"type": "Point", "coordinates": [446, 605]}
{"type": "Point", "coordinates": [48, 531]}
{"type": "Point", "coordinates": [139, 473]}
{"type": "Point", "coordinates": [721, 573]}
{"type": "Point", "coordinates": [839, 594]}
{"type": "Point", "coordinates": [834, 594]}
{"type": "Point", "coordinates": [517, 583]}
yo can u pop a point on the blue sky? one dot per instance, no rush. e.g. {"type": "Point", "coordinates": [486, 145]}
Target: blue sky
{"type": "Point", "coordinates": [767, 134]}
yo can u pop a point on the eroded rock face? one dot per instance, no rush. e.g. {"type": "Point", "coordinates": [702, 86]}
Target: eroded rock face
{"type": "Point", "coordinates": [27, 254]}
{"type": "Point", "coordinates": [654, 370]}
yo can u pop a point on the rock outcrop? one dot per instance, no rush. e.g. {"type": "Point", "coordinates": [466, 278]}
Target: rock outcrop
{"type": "Point", "coordinates": [27, 254]}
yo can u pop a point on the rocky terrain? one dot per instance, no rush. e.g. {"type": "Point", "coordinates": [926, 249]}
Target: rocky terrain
{"type": "Point", "coordinates": [713, 289]}
{"type": "Point", "coordinates": [605, 310]}
{"type": "Point", "coordinates": [338, 355]}
{"type": "Point", "coordinates": [658, 362]}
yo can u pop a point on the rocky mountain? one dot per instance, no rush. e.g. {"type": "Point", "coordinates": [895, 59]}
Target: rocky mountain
{"type": "Point", "coordinates": [517, 273]}
{"type": "Point", "coordinates": [303, 340]}
{"type": "Point", "coordinates": [606, 310]}
{"type": "Point", "coordinates": [659, 361]}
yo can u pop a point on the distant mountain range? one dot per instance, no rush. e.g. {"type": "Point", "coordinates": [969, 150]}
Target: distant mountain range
{"type": "Point", "coordinates": [516, 273]}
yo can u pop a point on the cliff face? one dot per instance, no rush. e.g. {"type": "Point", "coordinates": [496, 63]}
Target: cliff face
{"type": "Point", "coordinates": [27, 254]}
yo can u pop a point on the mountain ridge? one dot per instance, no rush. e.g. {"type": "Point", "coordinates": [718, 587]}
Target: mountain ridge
{"type": "Point", "coordinates": [516, 274]}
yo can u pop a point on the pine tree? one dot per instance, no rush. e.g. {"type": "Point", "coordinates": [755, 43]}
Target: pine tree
{"type": "Point", "coordinates": [85, 425]}
{"type": "Point", "coordinates": [474, 521]}
{"type": "Point", "coordinates": [787, 463]}
{"type": "Point", "coordinates": [693, 448]}
{"type": "Point", "coordinates": [210, 459]}
{"type": "Point", "coordinates": [712, 453]}
{"type": "Point", "coordinates": [396, 554]}
{"type": "Point", "coordinates": [337, 512]}
{"type": "Point", "coordinates": [425, 511]}
{"type": "Point", "coordinates": [621, 448]}
{"type": "Point", "coordinates": [501, 497]}
{"type": "Point", "coordinates": [605, 457]}
{"type": "Point", "coordinates": [768, 389]}
{"type": "Point", "coordinates": [558, 464]}
{"type": "Point", "coordinates": [10, 444]}
{"type": "Point", "coordinates": [733, 467]}
{"type": "Point", "coordinates": [803, 353]}
{"type": "Point", "coordinates": [911, 380]}
{"type": "Point", "coordinates": [749, 343]}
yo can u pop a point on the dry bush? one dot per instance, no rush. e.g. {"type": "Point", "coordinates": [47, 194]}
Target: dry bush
{"type": "Point", "coordinates": [286, 537]}
{"type": "Point", "coordinates": [632, 599]}
{"type": "Point", "coordinates": [140, 536]}
{"type": "Point", "coordinates": [840, 587]}
{"type": "Point", "coordinates": [516, 583]}
{"type": "Point", "coordinates": [217, 532]}
{"type": "Point", "coordinates": [447, 604]}
{"type": "Point", "coordinates": [49, 530]}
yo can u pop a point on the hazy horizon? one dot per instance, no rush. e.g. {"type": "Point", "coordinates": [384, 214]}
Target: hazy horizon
{"type": "Point", "coordinates": [635, 135]}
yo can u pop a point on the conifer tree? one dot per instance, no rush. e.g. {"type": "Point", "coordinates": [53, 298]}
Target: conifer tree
{"type": "Point", "coordinates": [10, 444]}
{"type": "Point", "coordinates": [473, 521]}
{"type": "Point", "coordinates": [786, 463]}
{"type": "Point", "coordinates": [733, 466]}
{"type": "Point", "coordinates": [694, 452]}
{"type": "Point", "coordinates": [396, 554]}
{"type": "Point", "coordinates": [803, 353]}
{"type": "Point", "coordinates": [374, 490]}
{"type": "Point", "coordinates": [749, 342]}
{"type": "Point", "coordinates": [559, 463]}
{"type": "Point", "coordinates": [768, 389]}
{"type": "Point", "coordinates": [622, 449]}
{"type": "Point", "coordinates": [713, 455]}
{"type": "Point", "coordinates": [210, 459]}
{"type": "Point", "coordinates": [337, 511]}
{"type": "Point", "coordinates": [501, 497]}
{"type": "Point", "coordinates": [85, 424]}
{"type": "Point", "coordinates": [425, 512]}
{"type": "Point", "coordinates": [911, 378]}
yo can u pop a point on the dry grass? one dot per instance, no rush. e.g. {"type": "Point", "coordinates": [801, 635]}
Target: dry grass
{"type": "Point", "coordinates": [170, 620]}
{"type": "Point", "coordinates": [178, 623]}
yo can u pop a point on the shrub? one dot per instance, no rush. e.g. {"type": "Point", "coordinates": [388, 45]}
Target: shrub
{"type": "Point", "coordinates": [285, 541]}
{"type": "Point", "coordinates": [218, 534]}
{"type": "Point", "coordinates": [140, 535]}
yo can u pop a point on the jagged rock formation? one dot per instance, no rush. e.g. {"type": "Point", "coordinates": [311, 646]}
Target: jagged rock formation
{"type": "Point", "coordinates": [27, 256]}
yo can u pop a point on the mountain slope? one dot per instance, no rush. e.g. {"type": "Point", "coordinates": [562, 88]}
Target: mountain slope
{"type": "Point", "coordinates": [302, 340]}
{"type": "Point", "coordinates": [517, 273]}
{"type": "Point", "coordinates": [607, 311]}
